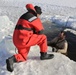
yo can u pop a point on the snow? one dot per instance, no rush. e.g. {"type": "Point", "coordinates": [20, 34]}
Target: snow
{"type": "Point", "coordinates": [10, 11]}
{"type": "Point", "coordinates": [65, 21]}
{"type": "Point", "coordinates": [6, 24]}
{"type": "Point", "coordinates": [59, 65]}
{"type": "Point", "coordinates": [69, 3]}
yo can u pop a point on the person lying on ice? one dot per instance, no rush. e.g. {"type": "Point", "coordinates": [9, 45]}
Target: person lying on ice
{"type": "Point", "coordinates": [28, 32]}
{"type": "Point", "coordinates": [59, 43]}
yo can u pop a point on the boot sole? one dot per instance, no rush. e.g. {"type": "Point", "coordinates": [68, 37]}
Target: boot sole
{"type": "Point", "coordinates": [8, 66]}
{"type": "Point", "coordinates": [47, 58]}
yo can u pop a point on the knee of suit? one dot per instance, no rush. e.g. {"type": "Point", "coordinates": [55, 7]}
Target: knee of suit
{"type": "Point", "coordinates": [19, 58]}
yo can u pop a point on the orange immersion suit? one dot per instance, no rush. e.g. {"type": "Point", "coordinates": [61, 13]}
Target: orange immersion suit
{"type": "Point", "coordinates": [27, 33]}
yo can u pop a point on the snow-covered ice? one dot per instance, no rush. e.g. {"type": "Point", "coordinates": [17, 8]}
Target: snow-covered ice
{"type": "Point", "coordinates": [6, 26]}
{"type": "Point", "coordinates": [53, 11]}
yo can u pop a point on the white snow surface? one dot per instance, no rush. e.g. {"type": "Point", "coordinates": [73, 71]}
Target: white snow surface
{"type": "Point", "coordinates": [60, 64]}
{"type": "Point", "coordinates": [5, 25]}
{"type": "Point", "coordinates": [69, 3]}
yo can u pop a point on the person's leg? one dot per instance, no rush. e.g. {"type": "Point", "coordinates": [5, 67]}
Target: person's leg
{"type": "Point", "coordinates": [43, 43]}
{"type": "Point", "coordinates": [40, 40]}
{"type": "Point", "coordinates": [43, 49]}
{"type": "Point", "coordinates": [21, 56]}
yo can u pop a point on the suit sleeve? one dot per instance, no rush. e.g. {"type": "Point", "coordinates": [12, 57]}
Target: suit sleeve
{"type": "Point", "coordinates": [37, 25]}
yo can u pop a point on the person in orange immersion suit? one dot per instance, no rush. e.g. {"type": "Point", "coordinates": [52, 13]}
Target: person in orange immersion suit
{"type": "Point", "coordinates": [28, 32]}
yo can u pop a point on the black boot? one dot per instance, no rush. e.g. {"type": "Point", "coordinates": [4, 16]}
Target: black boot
{"type": "Point", "coordinates": [45, 56]}
{"type": "Point", "coordinates": [9, 62]}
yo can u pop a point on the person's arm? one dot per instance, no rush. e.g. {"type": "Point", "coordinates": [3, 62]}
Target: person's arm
{"type": "Point", "coordinates": [52, 42]}
{"type": "Point", "coordinates": [63, 51]}
{"type": "Point", "coordinates": [38, 26]}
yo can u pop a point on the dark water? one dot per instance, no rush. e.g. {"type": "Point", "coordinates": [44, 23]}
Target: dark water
{"type": "Point", "coordinates": [52, 30]}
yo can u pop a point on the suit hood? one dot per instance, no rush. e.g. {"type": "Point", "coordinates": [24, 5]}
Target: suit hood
{"type": "Point", "coordinates": [30, 7]}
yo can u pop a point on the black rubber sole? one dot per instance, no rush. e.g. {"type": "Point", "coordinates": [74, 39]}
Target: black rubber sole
{"type": "Point", "coordinates": [8, 66]}
{"type": "Point", "coordinates": [52, 56]}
